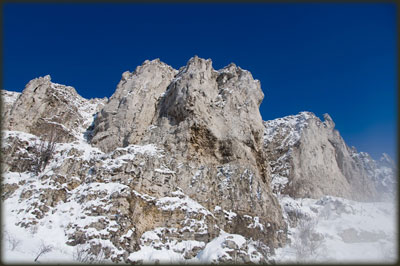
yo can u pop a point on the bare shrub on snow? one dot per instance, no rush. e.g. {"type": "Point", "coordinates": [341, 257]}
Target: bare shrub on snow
{"type": "Point", "coordinates": [326, 212]}
{"type": "Point", "coordinates": [44, 149]}
{"type": "Point", "coordinates": [389, 251]}
{"type": "Point", "coordinates": [307, 243]}
{"type": "Point", "coordinates": [12, 241]}
{"type": "Point", "coordinates": [82, 254]}
{"type": "Point", "coordinates": [43, 249]}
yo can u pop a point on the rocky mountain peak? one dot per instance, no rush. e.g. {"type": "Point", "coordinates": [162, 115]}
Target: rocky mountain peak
{"type": "Point", "coordinates": [149, 65]}
{"type": "Point", "coordinates": [38, 81]}
{"type": "Point", "coordinates": [44, 106]}
{"type": "Point", "coordinates": [44, 87]}
{"type": "Point", "coordinates": [8, 100]}
{"type": "Point", "coordinates": [198, 94]}
{"type": "Point", "coordinates": [175, 161]}
{"type": "Point", "coordinates": [197, 64]}
{"type": "Point", "coordinates": [137, 79]}
{"type": "Point", "coordinates": [208, 121]}
{"type": "Point", "coordinates": [328, 121]}
{"type": "Point", "coordinates": [302, 149]}
{"type": "Point", "coordinates": [133, 106]}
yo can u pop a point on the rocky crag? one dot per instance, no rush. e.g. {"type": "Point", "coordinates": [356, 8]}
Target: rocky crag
{"type": "Point", "coordinates": [175, 161]}
{"type": "Point", "coordinates": [309, 159]}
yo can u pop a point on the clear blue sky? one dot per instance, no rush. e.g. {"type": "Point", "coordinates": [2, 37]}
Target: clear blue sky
{"type": "Point", "coordinates": [324, 58]}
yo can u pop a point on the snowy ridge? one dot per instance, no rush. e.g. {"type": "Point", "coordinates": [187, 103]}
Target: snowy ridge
{"type": "Point", "coordinates": [61, 220]}
{"type": "Point", "coordinates": [289, 126]}
{"type": "Point", "coordinates": [23, 136]}
{"type": "Point", "coordinates": [9, 97]}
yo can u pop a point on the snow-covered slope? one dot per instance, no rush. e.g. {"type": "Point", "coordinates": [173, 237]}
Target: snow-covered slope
{"type": "Point", "coordinates": [89, 218]}
{"type": "Point", "coordinates": [336, 230]}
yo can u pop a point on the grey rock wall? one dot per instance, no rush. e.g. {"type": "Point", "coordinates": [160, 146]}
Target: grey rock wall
{"type": "Point", "coordinates": [44, 106]}
{"type": "Point", "coordinates": [309, 158]}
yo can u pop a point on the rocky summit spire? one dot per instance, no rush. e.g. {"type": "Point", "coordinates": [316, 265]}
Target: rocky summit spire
{"type": "Point", "coordinates": [131, 109]}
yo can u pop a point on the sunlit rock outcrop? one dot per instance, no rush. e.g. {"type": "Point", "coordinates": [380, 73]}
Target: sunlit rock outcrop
{"type": "Point", "coordinates": [309, 158]}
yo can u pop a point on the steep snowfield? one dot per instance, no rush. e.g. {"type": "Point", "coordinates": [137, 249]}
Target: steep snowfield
{"type": "Point", "coordinates": [337, 230]}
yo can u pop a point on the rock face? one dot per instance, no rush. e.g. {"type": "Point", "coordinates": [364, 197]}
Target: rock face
{"type": "Point", "coordinates": [131, 109]}
{"type": "Point", "coordinates": [309, 158]}
{"type": "Point", "coordinates": [44, 105]}
{"type": "Point", "coordinates": [174, 160]}
{"type": "Point", "coordinates": [209, 123]}
{"type": "Point", "coordinates": [8, 99]}
{"type": "Point", "coordinates": [382, 172]}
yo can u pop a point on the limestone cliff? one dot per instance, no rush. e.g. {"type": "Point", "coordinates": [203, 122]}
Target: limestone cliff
{"type": "Point", "coordinates": [8, 98]}
{"type": "Point", "coordinates": [209, 123]}
{"type": "Point", "coordinates": [175, 160]}
{"type": "Point", "coordinates": [43, 105]}
{"type": "Point", "coordinates": [309, 158]}
{"type": "Point", "coordinates": [130, 110]}
{"type": "Point", "coordinates": [382, 172]}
